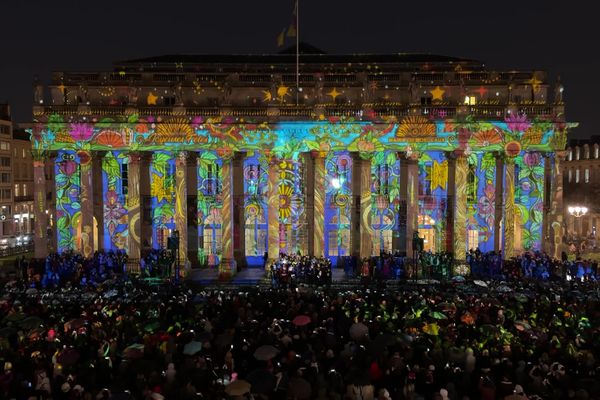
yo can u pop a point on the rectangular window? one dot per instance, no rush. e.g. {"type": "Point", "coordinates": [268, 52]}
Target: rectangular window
{"type": "Point", "coordinates": [16, 189]}
{"type": "Point", "coordinates": [470, 100]}
{"type": "Point", "coordinates": [24, 153]}
{"type": "Point", "coordinates": [587, 175]}
{"type": "Point", "coordinates": [4, 161]}
{"type": "Point", "coordinates": [570, 176]}
{"type": "Point", "coordinates": [577, 175]}
{"type": "Point", "coordinates": [4, 145]}
{"type": "Point", "coordinates": [24, 189]}
{"type": "Point", "coordinates": [4, 177]}
{"type": "Point", "coordinates": [473, 239]}
{"type": "Point", "coordinates": [5, 194]}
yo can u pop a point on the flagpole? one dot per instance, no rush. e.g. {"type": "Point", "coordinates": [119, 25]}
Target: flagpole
{"type": "Point", "coordinates": [297, 51]}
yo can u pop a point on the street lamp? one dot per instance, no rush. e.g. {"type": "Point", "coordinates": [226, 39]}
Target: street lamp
{"type": "Point", "coordinates": [577, 211]}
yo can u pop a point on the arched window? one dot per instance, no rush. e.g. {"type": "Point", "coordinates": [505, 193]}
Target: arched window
{"type": "Point", "coordinates": [577, 153]}
{"type": "Point", "coordinates": [570, 175]}
{"type": "Point", "coordinates": [577, 175]}
{"type": "Point", "coordinates": [596, 151]}
{"type": "Point", "coordinates": [586, 176]}
{"type": "Point", "coordinates": [586, 152]}
{"type": "Point", "coordinates": [570, 155]}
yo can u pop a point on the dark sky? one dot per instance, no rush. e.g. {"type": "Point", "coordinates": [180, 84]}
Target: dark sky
{"type": "Point", "coordinates": [39, 36]}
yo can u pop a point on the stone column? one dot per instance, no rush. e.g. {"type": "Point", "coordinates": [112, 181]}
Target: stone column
{"type": "Point", "coordinates": [366, 231]}
{"type": "Point", "coordinates": [133, 205]}
{"type": "Point", "coordinates": [39, 206]}
{"type": "Point", "coordinates": [499, 203]}
{"type": "Point", "coordinates": [509, 208]}
{"type": "Point", "coordinates": [227, 268]}
{"type": "Point", "coordinates": [409, 205]}
{"type": "Point", "coordinates": [451, 202]}
{"type": "Point", "coordinates": [181, 205]}
{"type": "Point", "coordinates": [86, 241]}
{"type": "Point", "coordinates": [460, 211]}
{"type": "Point", "coordinates": [319, 206]}
{"type": "Point", "coordinates": [556, 218]}
{"type": "Point", "coordinates": [192, 208]}
{"type": "Point", "coordinates": [273, 210]}
{"type": "Point", "coordinates": [309, 201]}
{"type": "Point", "coordinates": [98, 199]}
{"type": "Point", "coordinates": [239, 220]}
{"type": "Point", "coordinates": [145, 202]}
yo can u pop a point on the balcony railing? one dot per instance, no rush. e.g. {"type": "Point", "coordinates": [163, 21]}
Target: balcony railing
{"type": "Point", "coordinates": [491, 112]}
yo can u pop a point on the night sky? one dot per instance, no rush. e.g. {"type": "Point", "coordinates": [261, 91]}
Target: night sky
{"type": "Point", "coordinates": [40, 36]}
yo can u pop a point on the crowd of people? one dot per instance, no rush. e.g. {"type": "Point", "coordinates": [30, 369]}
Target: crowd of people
{"type": "Point", "coordinates": [453, 340]}
{"type": "Point", "coordinates": [290, 269]}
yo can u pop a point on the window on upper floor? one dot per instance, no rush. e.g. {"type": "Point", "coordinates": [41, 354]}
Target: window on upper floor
{"type": "Point", "coordinates": [570, 155]}
{"type": "Point", "coordinates": [4, 145]}
{"type": "Point", "coordinates": [577, 153]}
{"type": "Point", "coordinates": [470, 100]}
{"type": "Point", "coordinates": [586, 175]}
{"type": "Point", "coordinates": [570, 176]}
{"type": "Point", "coordinates": [24, 189]}
{"type": "Point", "coordinates": [577, 175]}
{"type": "Point", "coordinates": [16, 189]}
{"type": "Point", "coordinates": [4, 161]}
{"type": "Point", "coordinates": [596, 151]}
{"type": "Point", "coordinates": [586, 152]}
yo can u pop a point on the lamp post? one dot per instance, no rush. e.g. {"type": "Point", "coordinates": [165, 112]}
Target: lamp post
{"type": "Point", "coordinates": [577, 212]}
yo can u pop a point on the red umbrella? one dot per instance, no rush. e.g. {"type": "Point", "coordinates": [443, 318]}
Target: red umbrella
{"type": "Point", "coordinates": [68, 356]}
{"type": "Point", "coordinates": [301, 320]}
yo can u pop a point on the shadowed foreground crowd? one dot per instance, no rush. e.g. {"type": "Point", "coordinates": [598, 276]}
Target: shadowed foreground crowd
{"type": "Point", "coordinates": [456, 340]}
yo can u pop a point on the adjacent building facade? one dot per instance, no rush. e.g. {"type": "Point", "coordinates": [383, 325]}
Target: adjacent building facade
{"type": "Point", "coordinates": [6, 174]}
{"type": "Point", "coordinates": [245, 159]}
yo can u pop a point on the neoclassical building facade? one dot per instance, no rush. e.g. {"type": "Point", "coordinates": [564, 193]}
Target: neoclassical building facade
{"type": "Point", "coordinates": [244, 158]}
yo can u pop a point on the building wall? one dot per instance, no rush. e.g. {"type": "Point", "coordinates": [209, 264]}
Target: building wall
{"type": "Point", "coordinates": [581, 175]}
{"type": "Point", "coordinates": [6, 172]}
{"type": "Point", "coordinates": [22, 183]}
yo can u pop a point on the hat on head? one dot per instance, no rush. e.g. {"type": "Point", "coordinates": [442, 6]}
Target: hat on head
{"type": "Point", "coordinates": [518, 389]}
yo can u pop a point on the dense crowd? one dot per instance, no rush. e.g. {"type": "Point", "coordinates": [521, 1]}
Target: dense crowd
{"type": "Point", "coordinates": [290, 269]}
{"type": "Point", "coordinates": [455, 340]}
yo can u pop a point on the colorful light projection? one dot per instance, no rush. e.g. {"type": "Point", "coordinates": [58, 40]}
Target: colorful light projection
{"type": "Point", "coordinates": [162, 191]}
{"type": "Point", "coordinates": [292, 224]}
{"type": "Point", "coordinates": [385, 189]}
{"type": "Point", "coordinates": [338, 199]}
{"type": "Point", "coordinates": [529, 199]}
{"type": "Point", "coordinates": [433, 194]}
{"type": "Point", "coordinates": [210, 204]}
{"type": "Point", "coordinates": [255, 207]}
{"type": "Point", "coordinates": [68, 207]}
{"type": "Point", "coordinates": [481, 201]}
{"type": "Point", "coordinates": [114, 192]}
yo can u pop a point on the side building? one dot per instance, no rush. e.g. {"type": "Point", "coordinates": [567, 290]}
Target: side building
{"type": "Point", "coordinates": [6, 179]}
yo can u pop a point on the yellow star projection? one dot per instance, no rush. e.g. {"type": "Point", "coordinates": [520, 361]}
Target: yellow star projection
{"type": "Point", "coordinates": [282, 91]}
{"type": "Point", "coordinates": [334, 93]}
{"type": "Point", "coordinates": [437, 93]}
{"type": "Point", "coordinates": [535, 83]}
{"type": "Point", "coordinates": [151, 99]}
{"type": "Point", "coordinates": [439, 175]}
{"type": "Point", "coordinates": [267, 96]}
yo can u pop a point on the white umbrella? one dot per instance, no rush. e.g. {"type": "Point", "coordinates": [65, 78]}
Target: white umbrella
{"type": "Point", "coordinates": [192, 348]}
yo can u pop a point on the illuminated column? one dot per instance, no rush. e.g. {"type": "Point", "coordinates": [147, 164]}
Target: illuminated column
{"type": "Point", "coordinates": [318, 236]}
{"type": "Point", "coordinates": [460, 210]}
{"type": "Point", "coordinates": [556, 217]}
{"type": "Point", "coordinates": [451, 202]}
{"type": "Point", "coordinates": [409, 205]}
{"type": "Point", "coordinates": [309, 202]}
{"type": "Point", "coordinates": [86, 240]}
{"type": "Point", "coordinates": [145, 195]}
{"type": "Point", "coordinates": [98, 200]}
{"type": "Point", "coordinates": [192, 208]}
{"type": "Point", "coordinates": [509, 208]}
{"type": "Point", "coordinates": [239, 221]}
{"type": "Point", "coordinates": [366, 231]}
{"type": "Point", "coordinates": [181, 204]}
{"type": "Point", "coordinates": [499, 204]}
{"type": "Point", "coordinates": [227, 267]}
{"type": "Point", "coordinates": [273, 209]}
{"type": "Point", "coordinates": [133, 205]}
{"type": "Point", "coordinates": [40, 207]}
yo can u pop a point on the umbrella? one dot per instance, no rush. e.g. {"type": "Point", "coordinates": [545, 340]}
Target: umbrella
{"type": "Point", "coordinates": [480, 283]}
{"type": "Point", "coordinates": [265, 352]}
{"type": "Point", "coordinates": [437, 315]}
{"type": "Point", "coordinates": [31, 322]}
{"type": "Point", "coordinates": [134, 351]}
{"type": "Point", "coordinates": [359, 331]}
{"type": "Point", "coordinates": [74, 324]}
{"type": "Point", "coordinates": [431, 329]}
{"type": "Point", "coordinates": [36, 333]}
{"type": "Point", "coordinates": [262, 381]}
{"type": "Point", "coordinates": [447, 307]}
{"type": "Point", "coordinates": [152, 326]}
{"type": "Point", "coordinates": [31, 291]}
{"type": "Point", "coordinates": [504, 289]}
{"type": "Point", "coordinates": [299, 388]}
{"type": "Point", "coordinates": [521, 298]}
{"type": "Point", "coordinates": [301, 320]}
{"type": "Point", "coordinates": [238, 388]}
{"type": "Point", "coordinates": [458, 278]}
{"type": "Point", "coordinates": [6, 332]}
{"type": "Point", "coordinates": [68, 356]}
{"type": "Point", "coordinates": [522, 325]}
{"type": "Point", "coordinates": [192, 348]}
{"type": "Point", "coordinates": [467, 318]}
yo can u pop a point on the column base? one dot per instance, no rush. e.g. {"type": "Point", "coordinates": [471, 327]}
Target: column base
{"type": "Point", "coordinates": [227, 268]}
